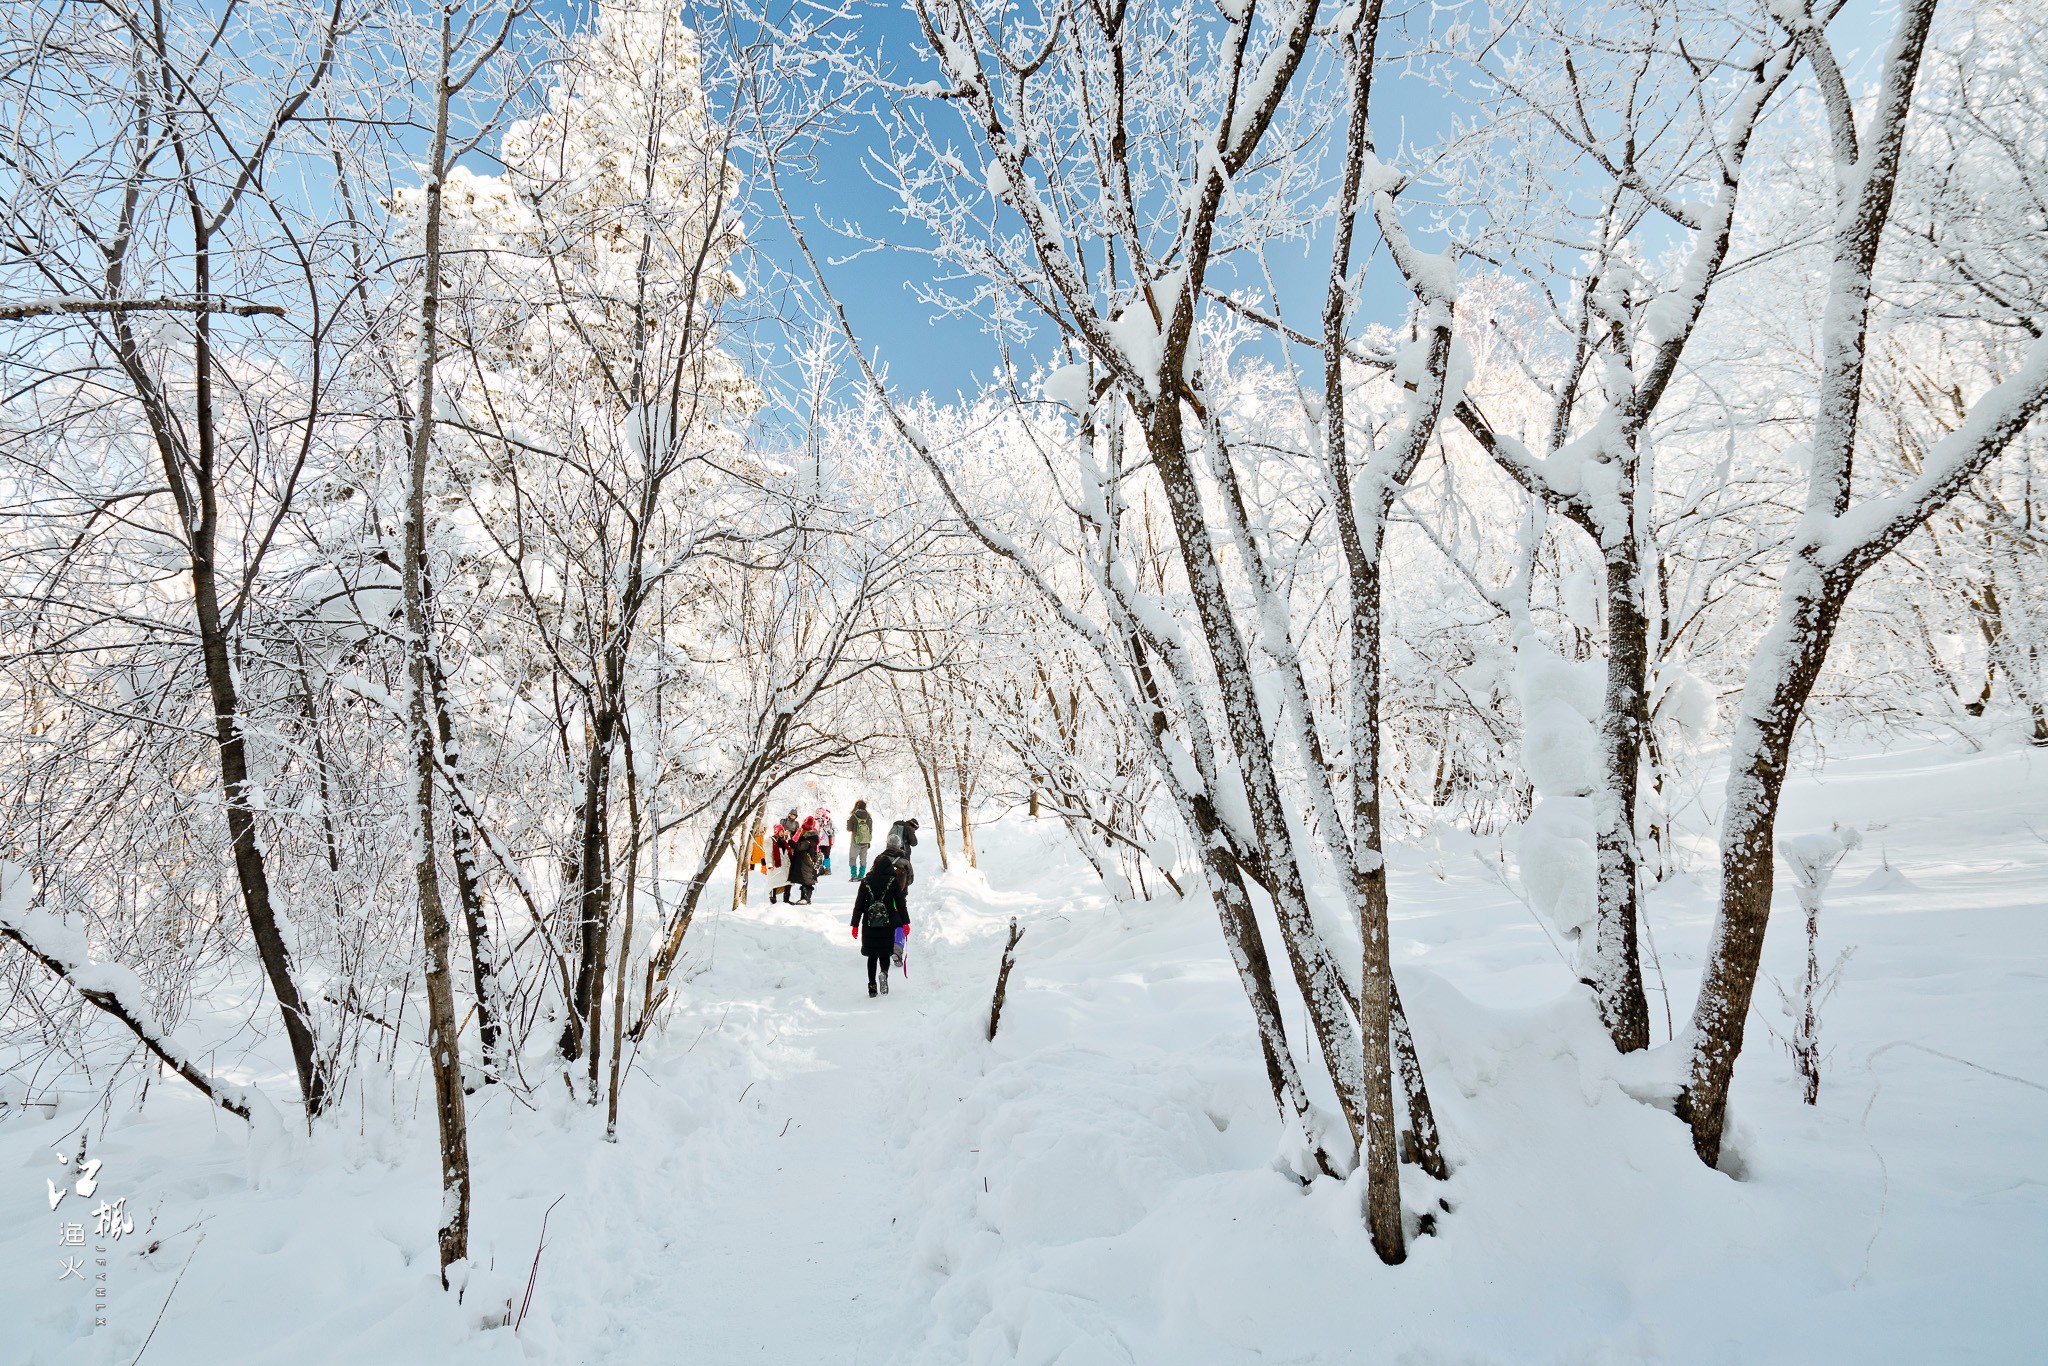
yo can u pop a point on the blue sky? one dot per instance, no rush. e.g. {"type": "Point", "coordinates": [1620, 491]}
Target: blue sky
{"type": "Point", "coordinates": [922, 350]}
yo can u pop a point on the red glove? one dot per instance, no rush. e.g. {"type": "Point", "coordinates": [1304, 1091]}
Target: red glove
{"type": "Point", "coordinates": [855, 931]}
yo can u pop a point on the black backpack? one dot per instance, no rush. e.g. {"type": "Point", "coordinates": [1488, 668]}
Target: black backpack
{"type": "Point", "coordinates": [875, 894]}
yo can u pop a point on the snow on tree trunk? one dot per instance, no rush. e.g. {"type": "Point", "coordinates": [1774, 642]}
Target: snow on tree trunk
{"type": "Point", "coordinates": [1836, 543]}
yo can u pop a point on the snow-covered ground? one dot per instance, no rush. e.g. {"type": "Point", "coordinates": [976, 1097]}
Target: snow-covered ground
{"type": "Point", "coordinates": [807, 1176]}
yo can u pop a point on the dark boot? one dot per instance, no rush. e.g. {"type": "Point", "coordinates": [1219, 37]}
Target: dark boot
{"type": "Point", "coordinates": [871, 988]}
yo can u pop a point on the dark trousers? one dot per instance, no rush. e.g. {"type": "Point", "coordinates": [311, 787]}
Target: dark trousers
{"type": "Point", "coordinates": [878, 963]}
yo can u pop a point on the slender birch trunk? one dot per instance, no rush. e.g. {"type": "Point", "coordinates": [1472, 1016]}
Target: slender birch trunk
{"type": "Point", "coordinates": [444, 1056]}
{"type": "Point", "coordinates": [966, 819]}
{"type": "Point", "coordinates": [468, 874]}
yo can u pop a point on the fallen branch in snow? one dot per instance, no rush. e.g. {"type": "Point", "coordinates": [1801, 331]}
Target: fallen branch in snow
{"type": "Point", "coordinates": [109, 986]}
{"type": "Point", "coordinates": [995, 1006]}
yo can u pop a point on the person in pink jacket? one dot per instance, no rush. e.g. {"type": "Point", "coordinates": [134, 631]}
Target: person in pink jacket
{"type": "Point", "coordinates": [823, 820]}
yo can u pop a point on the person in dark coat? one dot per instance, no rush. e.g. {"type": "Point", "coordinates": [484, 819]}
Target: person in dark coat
{"type": "Point", "coordinates": [881, 914]}
{"type": "Point", "coordinates": [803, 860]}
{"type": "Point", "coordinates": [826, 831]}
{"type": "Point", "coordinates": [902, 839]}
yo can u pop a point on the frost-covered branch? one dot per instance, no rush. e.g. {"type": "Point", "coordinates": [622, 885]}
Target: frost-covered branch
{"type": "Point", "coordinates": [21, 310]}
{"type": "Point", "coordinates": [109, 986]}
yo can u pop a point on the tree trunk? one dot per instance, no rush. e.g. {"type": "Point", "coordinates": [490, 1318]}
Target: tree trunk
{"type": "Point", "coordinates": [592, 889]}
{"type": "Point", "coordinates": [251, 874]}
{"type": "Point", "coordinates": [162, 1045]}
{"type": "Point", "coordinates": [611, 1123]}
{"type": "Point", "coordinates": [1378, 1004]}
{"type": "Point", "coordinates": [1756, 779]}
{"type": "Point", "coordinates": [1789, 658]}
{"type": "Point", "coordinates": [600, 959]}
{"type": "Point", "coordinates": [1315, 974]}
{"type": "Point", "coordinates": [1376, 975]}
{"type": "Point", "coordinates": [199, 509]}
{"type": "Point", "coordinates": [1242, 938]}
{"type": "Point", "coordinates": [935, 802]}
{"type": "Point", "coordinates": [662, 960]}
{"type": "Point", "coordinates": [1246, 944]}
{"type": "Point", "coordinates": [468, 878]}
{"type": "Point", "coordinates": [1427, 1151]}
{"type": "Point", "coordinates": [1617, 977]}
{"type": "Point", "coordinates": [444, 1048]}
{"type": "Point", "coordinates": [966, 824]}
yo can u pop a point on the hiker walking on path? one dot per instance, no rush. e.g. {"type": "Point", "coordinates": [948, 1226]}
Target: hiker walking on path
{"type": "Point", "coordinates": [826, 832]}
{"type": "Point", "coordinates": [860, 829]}
{"type": "Point", "coordinates": [902, 839]}
{"type": "Point", "coordinates": [881, 908]}
{"type": "Point", "coordinates": [803, 858]}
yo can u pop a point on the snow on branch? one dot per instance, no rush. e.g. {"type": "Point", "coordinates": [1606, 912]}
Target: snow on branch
{"type": "Point", "coordinates": [111, 987]}
{"type": "Point", "coordinates": [21, 310]}
{"type": "Point", "coordinates": [1866, 533]}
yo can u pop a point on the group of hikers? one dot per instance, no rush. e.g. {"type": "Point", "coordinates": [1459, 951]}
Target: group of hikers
{"type": "Point", "coordinates": [798, 851]}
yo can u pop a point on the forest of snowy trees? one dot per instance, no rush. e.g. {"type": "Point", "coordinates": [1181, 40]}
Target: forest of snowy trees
{"type": "Point", "coordinates": [449, 487]}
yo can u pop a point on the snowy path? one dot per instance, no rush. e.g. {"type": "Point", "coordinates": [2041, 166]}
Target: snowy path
{"type": "Point", "coordinates": [777, 1231]}
{"type": "Point", "coordinates": [807, 1176]}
